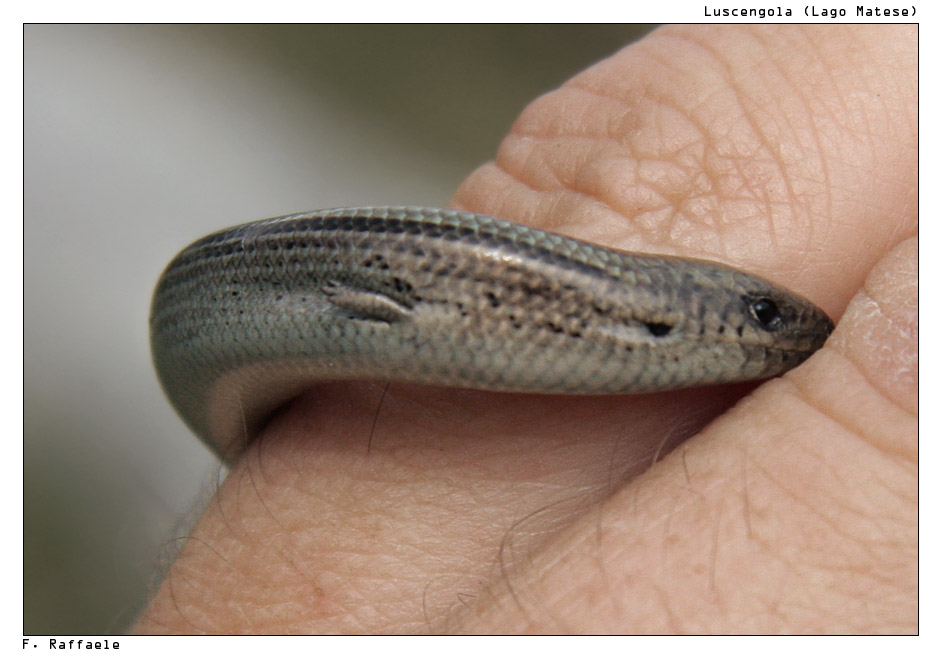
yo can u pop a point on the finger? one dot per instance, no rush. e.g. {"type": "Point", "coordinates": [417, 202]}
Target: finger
{"type": "Point", "coordinates": [788, 152]}
{"type": "Point", "coordinates": [795, 512]}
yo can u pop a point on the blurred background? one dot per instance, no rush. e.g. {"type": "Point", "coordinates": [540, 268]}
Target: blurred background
{"type": "Point", "coordinates": [140, 139]}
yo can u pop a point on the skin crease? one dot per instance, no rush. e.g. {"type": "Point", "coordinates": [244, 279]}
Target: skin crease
{"type": "Point", "coordinates": [788, 151]}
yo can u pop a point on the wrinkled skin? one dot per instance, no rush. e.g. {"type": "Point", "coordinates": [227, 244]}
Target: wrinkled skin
{"type": "Point", "coordinates": [788, 151]}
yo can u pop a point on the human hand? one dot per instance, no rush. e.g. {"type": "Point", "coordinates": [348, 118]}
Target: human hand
{"type": "Point", "coordinates": [787, 151]}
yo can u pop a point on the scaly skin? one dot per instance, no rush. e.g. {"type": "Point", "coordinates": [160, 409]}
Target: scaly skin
{"type": "Point", "coordinates": [247, 318]}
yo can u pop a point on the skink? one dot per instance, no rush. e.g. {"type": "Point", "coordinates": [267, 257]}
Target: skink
{"type": "Point", "coordinates": [245, 319]}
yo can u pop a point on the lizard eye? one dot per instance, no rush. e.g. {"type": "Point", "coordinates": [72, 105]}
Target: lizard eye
{"type": "Point", "coordinates": [766, 313]}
